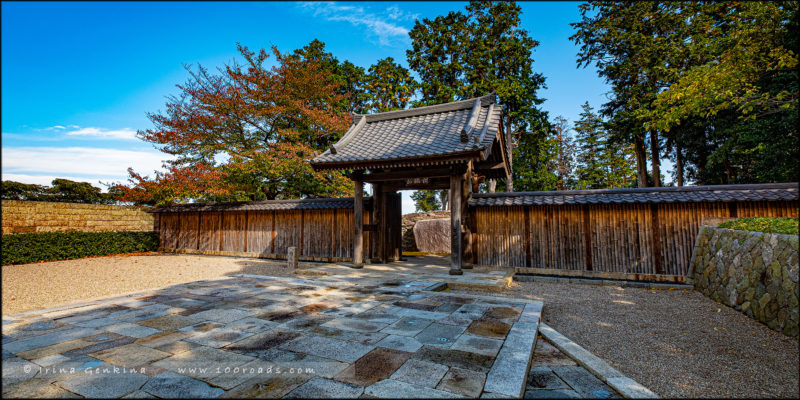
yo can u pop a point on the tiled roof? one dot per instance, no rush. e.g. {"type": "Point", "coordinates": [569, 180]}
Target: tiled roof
{"type": "Point", "coordinates": [725, 193]}
{"type": "Point", "coordinates": [301, 204]}
{"type": "Point", "coordinates": [423, 135]}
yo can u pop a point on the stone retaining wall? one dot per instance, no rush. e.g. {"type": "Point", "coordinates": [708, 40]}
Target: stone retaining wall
{"type": "Point", "coordinates": [409, 220]}
{"type": "Point", "coordinates": [755, 273]}
{"type": "Point", "coordinates": [39, 216]}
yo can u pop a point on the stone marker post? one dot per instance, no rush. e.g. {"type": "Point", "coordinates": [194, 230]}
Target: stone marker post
{"type": "Point", "coordinates": [291, 258]}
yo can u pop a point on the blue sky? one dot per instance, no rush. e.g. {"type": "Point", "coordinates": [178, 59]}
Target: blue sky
{"type": "Point", "coordinates": [79, 78]}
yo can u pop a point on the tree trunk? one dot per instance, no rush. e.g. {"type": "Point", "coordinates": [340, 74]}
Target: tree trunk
{"type": "Point", "coordinates": [510, 147]}
{"type": "Point", "coordinates": [641, 160]}
{"type": "Point", "coordinates": [443, 196]}
{"type": "Point", "coordinates": [655, 157]}
{"type": "Point", "coordinates": [678, 166]}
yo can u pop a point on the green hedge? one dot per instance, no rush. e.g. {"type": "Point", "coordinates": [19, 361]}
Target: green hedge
{"type": "Point", "coordinates": [763, 224]}
{"type": "Point", "coordinates": [23, 248]}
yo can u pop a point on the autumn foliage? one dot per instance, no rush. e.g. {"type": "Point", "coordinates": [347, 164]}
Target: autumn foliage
{"type": "Point", "coordinates": [246, 133]}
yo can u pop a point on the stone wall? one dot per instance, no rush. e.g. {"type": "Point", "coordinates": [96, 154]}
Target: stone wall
{"type": "Point", "coordinates": [755, 273]}
{"type": "Point", "coordinates": [39, 216]}
{"type": "Point", "coordinates": [409, 220]}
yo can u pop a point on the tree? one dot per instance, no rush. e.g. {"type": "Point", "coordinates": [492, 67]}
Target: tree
{"type": "Point", "coordinates": [389, 86]}
{"type": "Point", "coordinates": [350, 77]}
{"type": "Point", "coordinates": [483, 50]}
{"type": "Point", "coordinates": [425, 200]}
{"type": "Point", "coordinates": [601, 163]}
{"type": "Point", "coordinates": [246, 133]}
{"type": "Point", "coordinates": [742, 45]}
{"type": "Point", "coordinates": [62, 190]}
{"type": "Point", "coordinates": [67, 191]}
{"type": "Point", "coordinates": [704, 81]}
{"type": "Point", "coordinates": [554, 160]}
{"type": "Point", "coordinates": [590, 142]}
{"type": "Point", "coordinates": [12, 190]}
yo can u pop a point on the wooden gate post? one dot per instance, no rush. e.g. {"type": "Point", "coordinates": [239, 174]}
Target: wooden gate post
{"type": "Point", "coordinates": [358, 216]}
{"type": "Point", "coordinates": [455, 224]}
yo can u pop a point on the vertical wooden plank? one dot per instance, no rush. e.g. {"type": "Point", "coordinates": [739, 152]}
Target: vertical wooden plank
{"type": "Point", "coordinates": [659, 266]}
{"type": "Point", "coordinates": [302, 228]}
{"type": "Point", "coordinates": [259, 232]}
{"type": "Point", "coordinates": [527, 236]}
{"type": "Point", "coordinates": [455, 225]}
{"type": "Point", "coordinates": [245, 231]}
{"type": "Point", "coordinates": [272, 233]}
{"type": "Point", "coordinates": [334, 234]}
{"type": "Point", "coordinates": [189, 232]}
{"type": "Point", "coordinates": [587, 237]}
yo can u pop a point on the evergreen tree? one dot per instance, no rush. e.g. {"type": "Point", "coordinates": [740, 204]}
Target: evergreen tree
{"type": "Point", "coordinates": [426, 200]}
{"type": "Point", "coordinates": [479, 51]}
{"type": "Point", "coordinates": [591, 142]}
{"type": "Point", "coordinates": [389, 86]}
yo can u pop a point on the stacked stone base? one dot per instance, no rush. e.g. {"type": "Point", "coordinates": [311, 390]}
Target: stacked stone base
{"type": "Point", "coordinates": [755, 273]}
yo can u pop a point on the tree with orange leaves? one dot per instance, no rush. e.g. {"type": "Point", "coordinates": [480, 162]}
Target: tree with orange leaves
{"type": "Point", "coordinates": [246, 133]}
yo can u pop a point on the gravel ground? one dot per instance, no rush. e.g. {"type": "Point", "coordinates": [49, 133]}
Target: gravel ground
{"type": "Point", "coordinates": [50, 284]}
{"type": "Point", "coordinates": [677, 343]}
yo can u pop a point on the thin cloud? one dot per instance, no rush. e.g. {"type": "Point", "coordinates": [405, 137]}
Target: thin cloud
{"type": "Point", "coordinates": [387, 32]}
{"type": "Point", "coordinates": [89, 163]}
{"type": "Point", "coordinates": [125, 133]}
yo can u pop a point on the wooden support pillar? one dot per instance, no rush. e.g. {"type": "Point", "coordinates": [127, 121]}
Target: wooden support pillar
{"type": "Point", "coordinates": [466, 223]}
{"type": "Point", "coordinates": [358, 216]}
{"type": "Point", "coordinates": [455, 224]}
{"type": "Point", "coordinates": [379, 212]}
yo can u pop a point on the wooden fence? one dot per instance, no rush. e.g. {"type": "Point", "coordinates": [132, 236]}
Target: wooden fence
{"type": "Point", "coordinates": [637, 241]}
{"type": "Point", "coordinates": [321, 234]}
{"type": "Point", "coordinates": [637, 234]}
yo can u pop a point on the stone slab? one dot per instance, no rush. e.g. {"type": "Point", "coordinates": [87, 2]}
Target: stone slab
{"type": "Point", "coordinates": [268, 387]}
{"type": "Point", "coordinates": [318, 387]}
{"type": "Point", "coordinates": [102, 385]}
{"type": "Point", "coordinates": [477, 344]}
{"type": "Point", "coordinates": [130, 329]}
{"type": "Point", "coordinates": [328, 348]}
{"type": "Point", "coordinates": [403, 343]}
{"type": "Point", "coordinates": [378, 364]}
{"type": "Point", "coordinates": [583, 382]}
{"type": "Point", "coordinates": [440, 335]}
{"type": "Point", "coordinates": [454, 358]}
{"type": "Point", "coordinates": [552, 394]}
{"type": "Point", "coordinates": [218, 337]}
{"type": "Point", "coordinates": [167, 322]}
{"type": "Point", "coordinates": [202, 362]}
{"type": "Point", "coordinates": [251, 325]}
{"type": "Point", "coordinates": [389, 388]}
{"type": "Point", "coordinates": [169, 385]}
{"type": "Point", "coordinates": [544, 378]}
{"type": "Point", "coordinates": [36, 388]}
{"type": "Point", "coordinates": [221, 315]}
{"type": "Point", "coordinates": [17, 370]}
{"type": "Point", "coordinates": [50, 360]}
{"type": "Point", "coordinates": [407, 326]}
{"type": "Point", "coordinates": [48, 339]}
{"type": "Point", "coordinates": [130, 355]}
{"type": "Point", "coordinates": [463, 382]}
{"type": "Point", "coordinates": [421, 373]}
{"type": "Point", "coordinates": [352, 324]}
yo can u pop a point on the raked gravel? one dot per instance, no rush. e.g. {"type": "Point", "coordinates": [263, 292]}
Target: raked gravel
{"type": "Point", "coordinates": [43, 285]}
{"type": "Point", "coordinates": [677, 343]}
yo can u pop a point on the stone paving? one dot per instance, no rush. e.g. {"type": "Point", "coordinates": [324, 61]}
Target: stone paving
{"type": "Point", "coordinates": [243, 336]}
{"type": "Point", "coordinates": [553, 375]}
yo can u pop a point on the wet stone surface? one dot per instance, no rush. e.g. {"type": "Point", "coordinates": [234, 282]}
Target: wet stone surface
{"type": "Point", "coordinates": [247, 337]}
